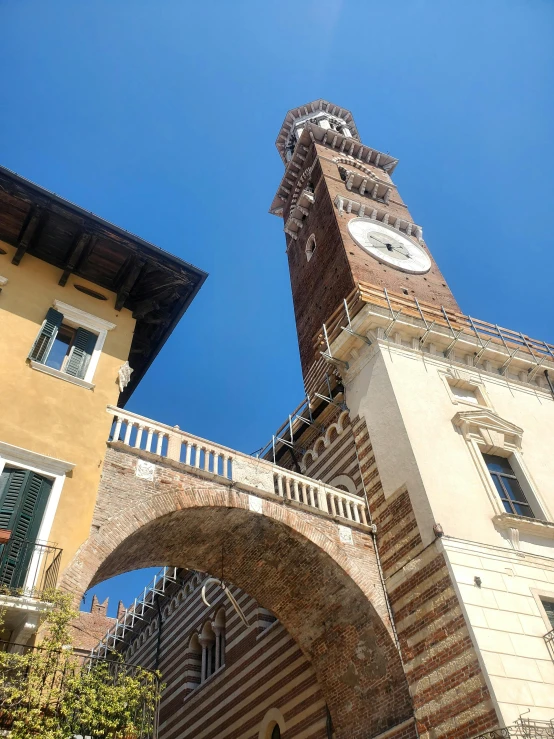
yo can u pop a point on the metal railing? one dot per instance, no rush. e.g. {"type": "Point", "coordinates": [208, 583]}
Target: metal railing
{"type": "Point", "coordinates": [522, 729]}
{"type": "Point", "coordinates": [549, 641]}
{"type": "Point", "coordinates": [64, 686]}
{"type": "Point", "coordinates": [28, 568]}
{"type": "Point", "coordinates": [483, 337]}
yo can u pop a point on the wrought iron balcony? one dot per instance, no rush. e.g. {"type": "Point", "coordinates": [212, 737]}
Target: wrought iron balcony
{"type": "Point", "coordinates": [72, 690]}
{"type": "Point", "coordinates": [28, 568]}
{"type": "Point", "coordinates": [523, 729]}
{"type": "Point", "coordinates": [549, 641]}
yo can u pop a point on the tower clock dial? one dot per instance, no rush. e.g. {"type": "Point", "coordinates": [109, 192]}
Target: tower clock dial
{"type": "Point", "coordinates": [389, 246]}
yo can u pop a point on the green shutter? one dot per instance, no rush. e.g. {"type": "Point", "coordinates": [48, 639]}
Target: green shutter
{"type": "Point", "coordinates": [11, 483]}
{"type": "Point", "coordinates": [23, 498]}
{"type": "Point", "coordinates": [81, 352]}
{"type": "Point", "coordinates": [46, 336]}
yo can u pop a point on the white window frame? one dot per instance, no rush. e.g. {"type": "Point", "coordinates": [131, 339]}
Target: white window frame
{"type": "Point", "coordinates": [457, 378]}
{"type": "Point", "coordinates": [49, 467]}
{"type": "Point", "coordinates": [77, 318]}
{"type": "Point", "coordinates": [539, 596]}
{"type": "Point", "coordinates": [487, 433]}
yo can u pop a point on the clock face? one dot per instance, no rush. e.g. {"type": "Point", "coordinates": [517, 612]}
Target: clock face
{"type": "Point", "coordinates": [389, 246]}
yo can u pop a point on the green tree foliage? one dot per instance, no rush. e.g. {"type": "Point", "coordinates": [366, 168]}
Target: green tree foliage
{"type": "Point", "coordinates": [52, 692]}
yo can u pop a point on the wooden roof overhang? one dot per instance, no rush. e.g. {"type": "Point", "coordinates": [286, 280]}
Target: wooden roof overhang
{"type": "Point", "coordinates": [155, 285]}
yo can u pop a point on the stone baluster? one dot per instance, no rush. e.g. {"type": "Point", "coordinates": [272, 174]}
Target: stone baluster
{"type": "Point", "coordinates": [159, 445]}
{"type": "Point", "coordinates": [188, 453]}
{"type": "Point", "coordinates": [128, 431]}
{"type": "Point", "coordinates": [355, 512]}
{"type": "Point", "coordinates": [295, 490]}
{"type": "Point", "coordinates": [280, 485]}
{"type": "Point", "coordinates": [117, 429]}
{"type": "Point", "coordinates": [149, 438]}
{"type": "Point", "coordinates": [138, 439]}
{"type": "Point", "coordinates": [206, 459]}
{"type": "Point", "coordinates": [311, 494]}
{"type": "Point", "coordinates": [288, 482]}
{"type": "Point", "coordinates": [363, 514]}
{"type": "Point", "coordinates": [332, 499]}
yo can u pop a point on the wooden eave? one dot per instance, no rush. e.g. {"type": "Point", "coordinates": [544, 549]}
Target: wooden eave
{"type": "Point", "coordinates": [340, 145]}
{"type": "Point", "coordinates": [154, 285]}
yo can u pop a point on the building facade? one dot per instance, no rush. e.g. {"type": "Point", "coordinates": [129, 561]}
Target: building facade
{"type": "Point", "coordinates": [384, 569]}
{"type": "Point", "coordinates": [441, 423]}
{"type": "Point", "coordinates": [84, 309]}
{"type": "Point", "coordinates": [450, 436]}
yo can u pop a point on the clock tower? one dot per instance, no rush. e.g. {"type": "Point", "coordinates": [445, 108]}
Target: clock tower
{"type": "Point", "coordinates": [345, 222]}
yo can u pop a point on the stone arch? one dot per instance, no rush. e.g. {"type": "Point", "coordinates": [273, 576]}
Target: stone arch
{"type": "Point", "coordinates": [272, 717]}
{"type": "Point", "coordinates": [344, 482]}
{"type": "Point", "coordinates": [327, 595]}
{"type": "Point", "coordinates": [358, 166]}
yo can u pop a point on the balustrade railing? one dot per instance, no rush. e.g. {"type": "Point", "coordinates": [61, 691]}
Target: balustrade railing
{"type": "Point", "coordinates": [170, 442]}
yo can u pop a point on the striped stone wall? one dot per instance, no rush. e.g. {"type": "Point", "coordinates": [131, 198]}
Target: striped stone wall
{"type": "Point", "coordinates": [448, 689]}
{"type": "Point", "coordinates": [264, 669]}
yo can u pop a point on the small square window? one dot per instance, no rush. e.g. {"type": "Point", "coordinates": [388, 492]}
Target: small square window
{"type": "Point", "coordinates": [465, 393]}
{"type": "Point", "coordinates": [63, 347]}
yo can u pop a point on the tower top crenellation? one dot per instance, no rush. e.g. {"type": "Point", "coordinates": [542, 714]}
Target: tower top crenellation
{"type": "Point", "coordinates": [320, 112]}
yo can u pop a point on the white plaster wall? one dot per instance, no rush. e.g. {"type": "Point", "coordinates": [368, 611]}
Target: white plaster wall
{"type": "Point", "coordinates": [371, 395]}
{"type": "Point", "coordinates": [409, 413]}
{"type": "Point", "coordinates": [506, 624]}
{"type": "Point", "coordinates": [409, 410]}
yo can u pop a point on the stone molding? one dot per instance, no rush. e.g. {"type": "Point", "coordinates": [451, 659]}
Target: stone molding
{"type": "Point", "coordinates": [533, 526]}
{"type": "Point", "coordinates": [27, 458]}
{"type": "Point", "coordinates": [487, 428]}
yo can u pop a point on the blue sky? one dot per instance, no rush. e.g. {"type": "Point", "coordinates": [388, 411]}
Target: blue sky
{"type": "Point", "coordinates": [162, 117]}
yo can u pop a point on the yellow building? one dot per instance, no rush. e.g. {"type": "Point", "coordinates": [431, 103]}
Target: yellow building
{"type": "Point", "coordinates": [84, 309]}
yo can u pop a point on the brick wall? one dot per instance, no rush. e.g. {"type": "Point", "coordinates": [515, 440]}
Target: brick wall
{"type": "Point", "coordinates": [327, 594]}
{"type": "Point", "coordinates": [338, 263]}
{"type": "Point", "coordinates": [450, 695]}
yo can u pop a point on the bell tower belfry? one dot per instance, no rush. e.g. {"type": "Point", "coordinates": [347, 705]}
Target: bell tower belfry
{"type": "Point", "coordinates": [345, 222]}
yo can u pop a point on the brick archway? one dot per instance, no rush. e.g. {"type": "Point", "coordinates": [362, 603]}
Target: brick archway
{"type": "Point", "coordinates": [326, 593]}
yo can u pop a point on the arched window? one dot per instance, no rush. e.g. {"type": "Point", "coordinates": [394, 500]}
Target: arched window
{"type": "Point", "coordinates": [273, 725]}
{"type": "Point", "coordinates": [219, 629]}
{"type": "Point", "coordinates": [310, 247]}
{"type": "Point", "coordinates": [344, 482]}
{"type": "Point", "coordinates": [208, 643]}
{"type": "Point", "coordinates": [193, 662]}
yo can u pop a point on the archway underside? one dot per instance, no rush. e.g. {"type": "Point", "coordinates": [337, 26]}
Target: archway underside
{"type": "Point", "coordinates": [333, 621]}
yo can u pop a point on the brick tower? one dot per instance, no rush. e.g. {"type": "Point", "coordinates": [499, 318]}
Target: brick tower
{"type": "Point", "coordinates": [331, 178]}
{"type": "Point", "coordinates": [422, 410]}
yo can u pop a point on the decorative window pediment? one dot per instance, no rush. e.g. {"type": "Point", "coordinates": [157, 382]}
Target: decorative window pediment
{"type": "Point", "coordinates": [488, 429]}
